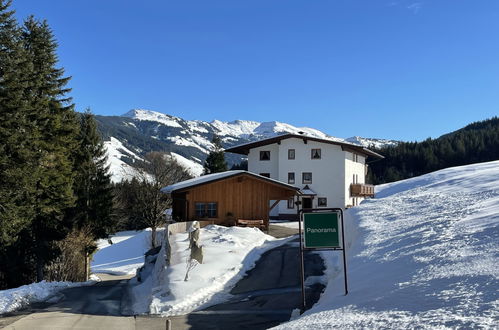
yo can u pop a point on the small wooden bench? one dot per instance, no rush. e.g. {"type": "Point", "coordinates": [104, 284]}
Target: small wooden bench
{"type": "Point", "coordinates": [251, 223]}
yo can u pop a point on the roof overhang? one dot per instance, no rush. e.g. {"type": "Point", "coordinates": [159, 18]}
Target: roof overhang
{"type": "Point", "coordinates": [243, 149]}
{"type": "Point", "coordinates": [211, 178]}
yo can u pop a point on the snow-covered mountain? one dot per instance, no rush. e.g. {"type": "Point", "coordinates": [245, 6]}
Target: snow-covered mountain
{"type": "Point", "coordinates": [371, 142]}
{"type": "Point", "coordinates": [189, 141]}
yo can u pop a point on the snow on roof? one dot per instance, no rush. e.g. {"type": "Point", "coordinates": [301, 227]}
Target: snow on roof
{"type": "Point", "coordinates": [306, 191]}
{"type": "Point", "coordinates": [214, 177]}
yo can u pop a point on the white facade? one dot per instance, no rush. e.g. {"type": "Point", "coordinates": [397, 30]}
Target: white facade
{"type": "Point", "coordinates": [332, 173]}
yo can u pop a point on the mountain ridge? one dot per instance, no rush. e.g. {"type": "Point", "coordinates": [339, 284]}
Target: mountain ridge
{"type": "Point", "coordinates": [139, 131]}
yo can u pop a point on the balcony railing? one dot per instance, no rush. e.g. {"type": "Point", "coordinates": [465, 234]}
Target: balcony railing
{"type": "Point", "coordinates": [361, 190]}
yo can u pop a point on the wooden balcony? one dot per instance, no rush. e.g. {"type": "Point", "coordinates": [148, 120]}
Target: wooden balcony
{"type": "Point", "coordinates": [361, 190]}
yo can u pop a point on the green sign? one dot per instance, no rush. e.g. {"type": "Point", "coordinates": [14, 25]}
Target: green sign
{"type": "Point", "coordinates": [321, 230]}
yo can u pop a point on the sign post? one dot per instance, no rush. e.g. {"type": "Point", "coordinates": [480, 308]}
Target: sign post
{"type": "Point", "coordinates": [323, 229]}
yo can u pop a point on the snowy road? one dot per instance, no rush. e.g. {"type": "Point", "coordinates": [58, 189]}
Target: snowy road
{"type": "Point", "coordinates": [90, 307]}
{"type": "Point", "coordinates": [267, 295]}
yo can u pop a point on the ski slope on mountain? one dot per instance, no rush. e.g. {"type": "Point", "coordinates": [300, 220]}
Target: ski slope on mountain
{"type": "Point", "coordinates": [423, 254]}
{"type": "Point", "coordinates": [119, 170]}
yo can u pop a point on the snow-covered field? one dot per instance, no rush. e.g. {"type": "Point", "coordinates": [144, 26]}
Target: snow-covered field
{"type": "Point", "coordinates": [423, 254]}
{"type": "Point", "coordinates": [229, 252]}
{"type": "Point", "coordinates": [125, 255]}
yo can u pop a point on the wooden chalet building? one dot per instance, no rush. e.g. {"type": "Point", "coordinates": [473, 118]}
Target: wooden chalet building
{"type": "Point", "coordinates": [227, 197]}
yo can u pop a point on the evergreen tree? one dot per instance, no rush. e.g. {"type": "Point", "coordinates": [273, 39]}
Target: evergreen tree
{"type": "Point", "coordinates": [215, 162]}
{"type": "Point", "coordinates": [477, 142]}
{"type": "Point", "coordinates": [56, 138]}
{"type": "Point", "coordinates": [92, 186]}
{"type": "Point", "coordinates": [16, 132]}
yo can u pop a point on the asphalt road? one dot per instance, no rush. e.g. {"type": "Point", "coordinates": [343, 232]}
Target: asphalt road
{"type": "Point", "coordinates": [88, 307]}
{"type": "Point", "coordinates": [264, 298]}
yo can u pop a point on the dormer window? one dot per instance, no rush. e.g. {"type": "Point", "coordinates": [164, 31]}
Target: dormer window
{"type": "Point", "coordinates": [264, 155]}
{"type": "Point", "coordinates": [316, 153]}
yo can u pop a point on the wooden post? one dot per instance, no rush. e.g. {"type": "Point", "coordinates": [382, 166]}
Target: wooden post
{"type": "Point", "coordinates": [87, 266]}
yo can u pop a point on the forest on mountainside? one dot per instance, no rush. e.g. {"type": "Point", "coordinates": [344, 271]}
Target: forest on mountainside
{"type": "Point", "coordinates": [475, 143]}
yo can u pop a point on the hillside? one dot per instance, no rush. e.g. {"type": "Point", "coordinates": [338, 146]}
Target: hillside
{"type": "Point", "coordinates": [139, 131]}
{"type": "Point", "coordinates": [477, 142]}
{"type": "Point", "coordinates": [422, 254]}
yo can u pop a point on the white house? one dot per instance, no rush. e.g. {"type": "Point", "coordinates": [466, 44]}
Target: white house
{"type": "Point", "coordinates": [329, 173]}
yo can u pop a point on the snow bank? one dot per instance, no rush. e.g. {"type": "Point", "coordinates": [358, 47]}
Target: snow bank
{"type": "Point", "coordinates": [14, 299]}
{"type": "Point", "coordinates": [423, 255]}
{"type": "Point", "coordinates": [126, 254]}
{"type": "Point", "coordinates": [229, 252]}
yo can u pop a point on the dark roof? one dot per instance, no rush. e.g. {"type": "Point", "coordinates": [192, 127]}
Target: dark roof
{"type": "Point", "coordinates": [243, 149]}
{"type": "Point", "coordinates": [210, 178]}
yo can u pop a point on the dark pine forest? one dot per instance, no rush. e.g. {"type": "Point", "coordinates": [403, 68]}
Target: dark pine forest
{"type": "Point", "coordinates": [475, 143]}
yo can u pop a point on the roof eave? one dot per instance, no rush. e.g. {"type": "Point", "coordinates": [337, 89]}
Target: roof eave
{"type": "Point", "coordinates": [259, 177]}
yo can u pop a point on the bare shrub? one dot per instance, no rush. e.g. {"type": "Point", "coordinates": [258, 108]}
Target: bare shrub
{"type": "Point", "coordinates": [73, 262]}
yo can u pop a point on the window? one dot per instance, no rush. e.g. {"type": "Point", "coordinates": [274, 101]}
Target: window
{"type": "Point", "coordinates": [291, 153]}
{"type": "Point", "coordinates": [316, 153]}
{"type": "Point", "coordinates": [206, 210]}
{"type": "Point", "coordinates": [291, 177]}
{"type": "Point", "coordinates": [264, 155]}
{"type": "Point", "coordinates": [211, 209]}
{"type": "Point", "coordinates": [200, 208]}
{"type": "Point", "coordinates": [291, 203]}
{"type": "Point", "coordinates": [322, 201]}
{"type": "Point", "coordinates": [306, 177]}
{"type": "Point", "coordinates": [267, 175]}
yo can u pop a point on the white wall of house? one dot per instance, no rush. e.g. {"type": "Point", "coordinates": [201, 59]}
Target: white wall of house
{"type": "Point", "coordinates": [355, 172]}
{"type": "Point", "coordinates": [332, 174]}
{"type": "Point", "coordinates": [327, 172]}
{"type": "Point", "coordinates": [258, 166]}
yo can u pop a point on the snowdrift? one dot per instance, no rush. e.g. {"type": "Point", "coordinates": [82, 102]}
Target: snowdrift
{"type": "Point", "coordinates": [229, 252]}
{"type": "Point", "coordinates": [423, 254]}
{"type": "Point", "coordinates": [126, 254]}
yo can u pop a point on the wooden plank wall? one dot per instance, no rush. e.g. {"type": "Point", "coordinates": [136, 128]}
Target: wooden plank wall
{"type": "Point", "coordinates": [244, 196]}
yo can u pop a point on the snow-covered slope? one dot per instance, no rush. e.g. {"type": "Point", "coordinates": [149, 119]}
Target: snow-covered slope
{"type": "Point", "coordinates": [423, 254]}
{"type": "Point", "coordinates": [141, 114]}
{"type": "Point", "coordinates": [115, 153]}
{"type": "Point", "coordinates": [228, 253]}
{"type": "Point", "coordinates": [125, 254]}
{"type": "Point", "coordinates": [371, 142]}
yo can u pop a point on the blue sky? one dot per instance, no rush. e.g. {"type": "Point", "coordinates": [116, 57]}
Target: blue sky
{"type": "Point", "coordinates": [403, 70]}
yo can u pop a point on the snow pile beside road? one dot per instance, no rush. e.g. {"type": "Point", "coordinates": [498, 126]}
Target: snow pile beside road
{"type": "Point", "coordinates": [229, 252]}
{"type": "Point", "coordinates": [425, 254]}
{"type": "Point", "coordinates": [14, 299]}
{"type": "Point", "coordinates": [126, 254]}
